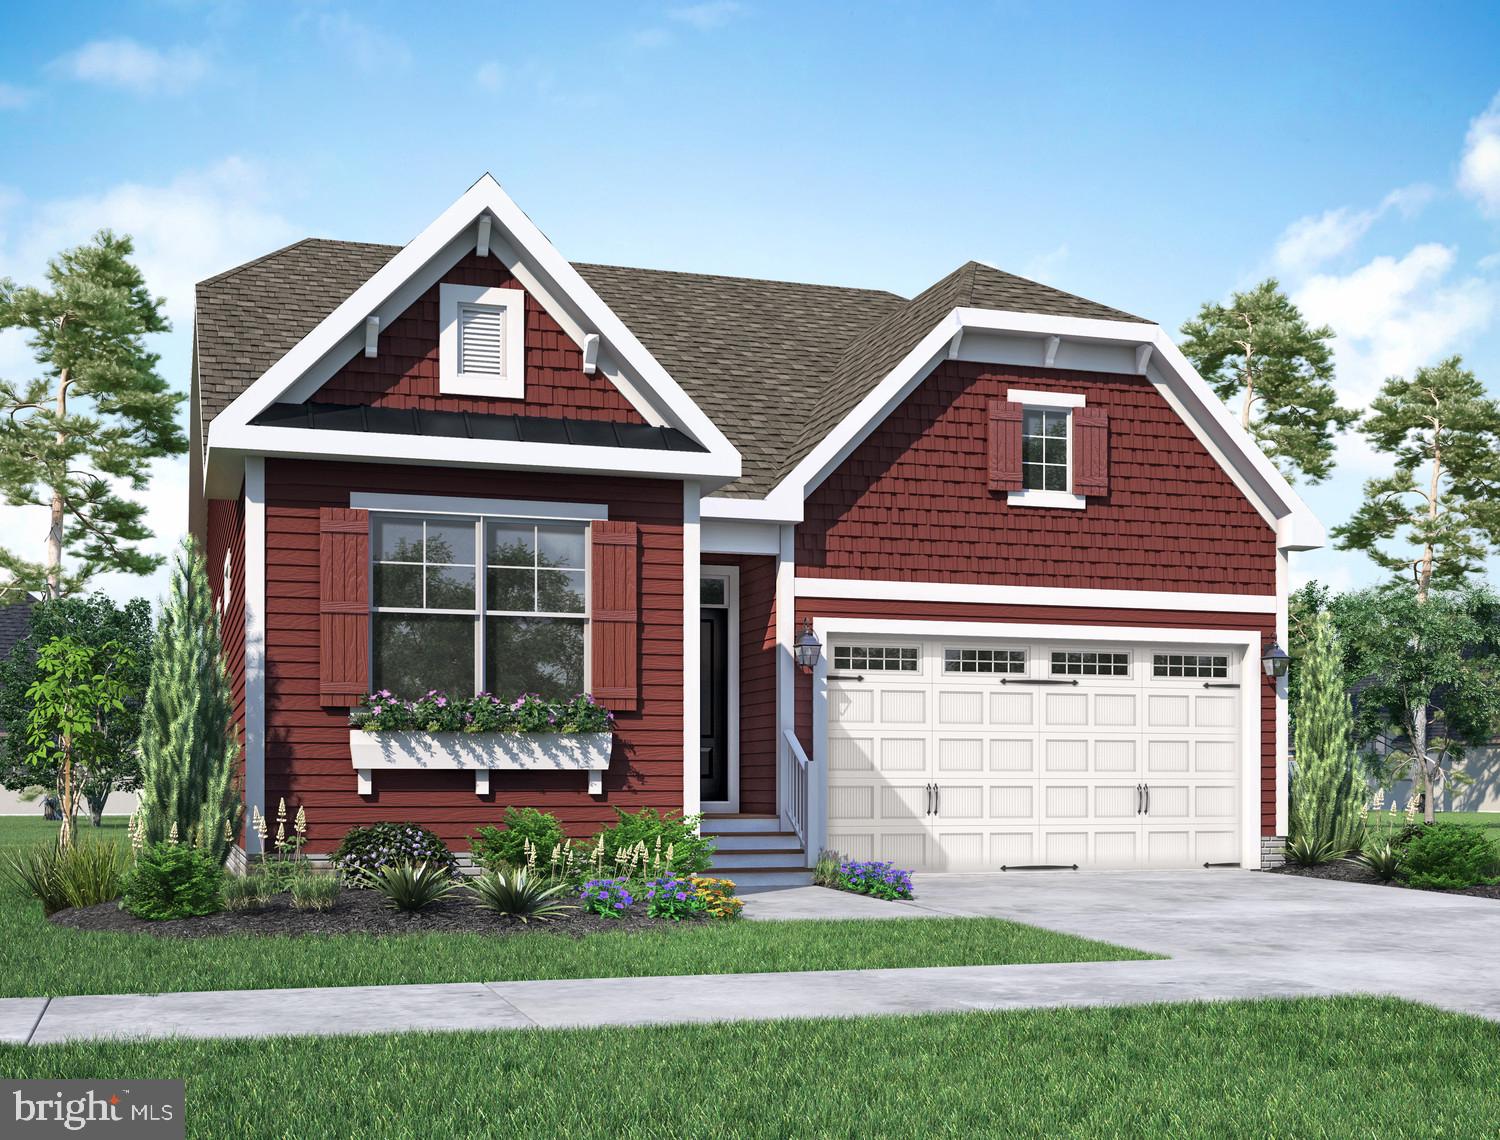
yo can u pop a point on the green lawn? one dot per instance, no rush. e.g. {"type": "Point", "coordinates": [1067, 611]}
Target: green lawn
{"type": "Point", "coordinates": [1488, 821]}
{"type": "Point", "coordinates": [1306, 1068]}
{"type": "Point", "coordinates": [37, 957]}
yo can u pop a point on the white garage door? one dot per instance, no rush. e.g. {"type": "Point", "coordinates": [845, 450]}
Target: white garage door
{"type": "Point", "coordinates": [975, 755]}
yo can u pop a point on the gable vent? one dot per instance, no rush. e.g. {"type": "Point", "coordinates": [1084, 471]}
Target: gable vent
{"type": "Point", "coordinates": [481, 340]}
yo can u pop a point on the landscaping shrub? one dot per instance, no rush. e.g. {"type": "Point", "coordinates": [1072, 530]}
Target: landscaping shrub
{"type": "Point", "coordinates": [608, 897]}
{"type": "Point", "coordinates": [241, 892]}
{"type": "Point", "coordinates": [1327, 793]}
{"type": "Point", "coordinates": [372, 848]}
{"type": "Point", "coordinates": [315, 892]}
{"type": "Point", "coordinates": [91, 873]}
{"type": "Point", "coordinates": [172, 880]}
{"type": "Point", "coordinates": [878, 880]}
{"type": "Point", "coordinates": [520, 894]}
{"type": "Point", "coordinates": [1383, 859]}
{"type": "Point", "coordinates": [717, 897]}
{"type": "Point", "coordinates": [672, 897]}
{"type": "Point", "coordinates": [34, 871]}
{"type": "Point", "coordinates": [411, 887]}
{"type": "Point", "coordinates": [826, 869]}
{"type": "Point", "coordinates": [497, 848]}
{"type": "Point", "coordinates": [1313, 850]}
{"type": "Point", "coordinates": [1449, 857]}
{"type": "Point", "coordinates": [691, 853]}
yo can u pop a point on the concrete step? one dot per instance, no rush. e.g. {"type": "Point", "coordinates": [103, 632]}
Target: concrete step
{"type": "Point", "coordinates": [724, 824]}
{"type": "Point", "coordinates": [775, 878]}
{"type": "Point", "coordinates": [759, 860]}
{"type": "Point", "coordinates": [756, 840]}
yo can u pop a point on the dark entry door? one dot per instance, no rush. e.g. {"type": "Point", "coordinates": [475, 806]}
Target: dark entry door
{"type": "Point", "coordinates": [713, 696]}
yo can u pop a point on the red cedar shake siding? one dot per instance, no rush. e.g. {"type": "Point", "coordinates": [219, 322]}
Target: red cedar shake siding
{"type": "Point", "coordinates": [404, 374]}
{"type": "Point", "coordinates": [1264, 624]}
{"type": "Point", "coordinates": [914, 500]}
{"type": "Point", "coordinates": [307, 744]}
{"type": "Point", "coordinates": [757, 678]}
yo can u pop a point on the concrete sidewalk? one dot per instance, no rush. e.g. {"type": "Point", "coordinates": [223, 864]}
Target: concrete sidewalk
{"type": "Point", "coordinates": [1229, 935]}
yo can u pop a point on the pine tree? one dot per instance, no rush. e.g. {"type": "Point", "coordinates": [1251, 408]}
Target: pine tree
{"type": "Point", "coordinates": [1326, 791]}
{"type": "Point", "coordinates": [1259, 350]}
{"type": "Point", "coordinates": [96, 417]}
{"type": "Point", "coordinates": [189, 754]}
{"type": "Point", "coordinates": [1442, 503]}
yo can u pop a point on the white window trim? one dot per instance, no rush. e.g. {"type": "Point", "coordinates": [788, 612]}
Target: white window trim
{"type": "Point", "coordinates": [531, 509]}
{"type": "Point", "coordinates": [512, 303]}
{"type": "Point", "coordinates": [1035, 496]}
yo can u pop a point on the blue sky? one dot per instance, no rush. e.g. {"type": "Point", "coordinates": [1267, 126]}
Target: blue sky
{"type": "Point", "coordinates": [1149, 156]}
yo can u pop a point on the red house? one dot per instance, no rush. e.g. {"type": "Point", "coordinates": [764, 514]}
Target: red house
{"type": "Point", "coordinates": [1031, 562]}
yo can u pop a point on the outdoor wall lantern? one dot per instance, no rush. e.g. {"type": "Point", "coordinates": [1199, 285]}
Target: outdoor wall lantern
{"type": "Point", "coordinates": [1275, 660]}
{"type": "Point", "coordinates": [807, 648]}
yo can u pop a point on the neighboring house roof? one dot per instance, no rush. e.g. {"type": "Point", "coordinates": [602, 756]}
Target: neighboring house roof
{"type": "Point", "coordinates": [774, 364]}
{"type": "Point", "coordinates": [15, 623]}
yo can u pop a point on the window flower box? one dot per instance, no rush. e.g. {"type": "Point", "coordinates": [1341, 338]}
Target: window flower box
{"type": "Point", "coordinates": [480, 753]}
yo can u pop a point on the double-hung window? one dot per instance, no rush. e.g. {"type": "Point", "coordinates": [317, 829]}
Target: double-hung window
{"type": "Point", "coordinates": [1047, 449]}
{"type": "Point", "coordinates": [465, 605]}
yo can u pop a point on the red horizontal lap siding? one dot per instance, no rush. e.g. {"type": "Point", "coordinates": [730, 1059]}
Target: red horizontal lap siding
{"type": "Point", "coordinates": [404, 373]}
{"type": "Point", "coordinates": [1263, 624]}
{"type": "Point", "coordinates": [757, 651]}
{"type": "Point", "coordinates": [224, 555]}
{"type": "Point", "coordinates": [307, 745]}
{"type": "Point", "coordinates": [913, 501]}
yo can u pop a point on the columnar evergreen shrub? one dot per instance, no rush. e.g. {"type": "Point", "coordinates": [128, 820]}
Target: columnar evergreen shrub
{"type": "Point", "coordinates": [1327, 792]}
{"type": "Point", "coordinates": [189, 754]}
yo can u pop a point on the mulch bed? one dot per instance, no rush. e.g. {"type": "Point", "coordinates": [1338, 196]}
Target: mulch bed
{"type": "Point", "coordinates": [1354, 873]}
{"type": "Point", "coordinates": [355, 912]}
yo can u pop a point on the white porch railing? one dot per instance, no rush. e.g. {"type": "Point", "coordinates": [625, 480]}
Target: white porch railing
{"type": "Point", "coordinates": [794, 780]}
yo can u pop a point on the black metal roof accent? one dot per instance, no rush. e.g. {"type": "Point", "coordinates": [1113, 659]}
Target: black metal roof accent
{"type": "Point", "coordinates": [475, 425]}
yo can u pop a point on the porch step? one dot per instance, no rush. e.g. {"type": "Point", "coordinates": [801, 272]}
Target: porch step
{"type": "Point", "coordinates": [757, 841]}
{"type": "Point", "coordinates": [767, 879]}
{"type": "Point", "coordinates": [725, 824]}
{"type": "Point", "coordinates": [731, 861]}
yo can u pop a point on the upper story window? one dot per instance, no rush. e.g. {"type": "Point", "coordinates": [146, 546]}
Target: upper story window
{"type": "Point", "coordinates": [465, 604]}
{"type": "Point", "coordinates": [1044, 449]}
{"type": "Point", "coordinates": [481, 341]}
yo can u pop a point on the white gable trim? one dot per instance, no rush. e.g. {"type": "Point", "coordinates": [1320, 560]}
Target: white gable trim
{"type": "Point", "coordinates": [1030, 338]}
{"type": "Point", "coordinates": [542, 270]}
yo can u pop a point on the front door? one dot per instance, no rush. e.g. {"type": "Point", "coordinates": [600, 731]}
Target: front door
{"type": "Point", "coordinates": [713, 695]}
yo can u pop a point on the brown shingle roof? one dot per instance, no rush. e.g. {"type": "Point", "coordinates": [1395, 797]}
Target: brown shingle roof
{"type": "Point", "coordinates": [775, 364]}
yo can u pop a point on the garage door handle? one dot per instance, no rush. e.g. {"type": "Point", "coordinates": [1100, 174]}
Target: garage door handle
{"type": "Point", "coordinates": [937, 800]}
{"type": "Point", "coordinates": [1148, 799]}
{"type": "Point", "coordinates": [928, 789]}
{"type": "Point", "coordinates": [1138, 799]}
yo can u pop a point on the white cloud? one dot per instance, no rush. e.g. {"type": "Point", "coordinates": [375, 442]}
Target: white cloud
{"type": "Point", "coordinates": [371, 49]}
{"type": "Point", "coordinates": [131, 66]}
{"type": "Point", "coordinates": [192, 227]}
{"type": "Point", "coordinates": [708, 15]}
{"type": "Point", "coordinates": [13, 98]}
{"type": "Point", "coordinates": [490, 76]}
{"type": "Point", "coordinates": [1479, 169]}
{"type": "Point", "coordinates": [1393, 315]}
{"type": "Point", "coordinates": [1313, 240]}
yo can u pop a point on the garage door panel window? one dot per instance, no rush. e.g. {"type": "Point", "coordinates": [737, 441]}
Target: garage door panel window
{"type": "Point", "coordinates": [1190, 665]}
{"type": "Point", "coordinates": [980, 660]}
{"type": "Point", "coordinates": [877, 658]}
{"type": "Point", "coordinates": [1086, 663]}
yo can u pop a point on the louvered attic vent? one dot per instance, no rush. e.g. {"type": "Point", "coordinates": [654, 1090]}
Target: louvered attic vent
{"type": "Point", "coordinates": [481, 341]}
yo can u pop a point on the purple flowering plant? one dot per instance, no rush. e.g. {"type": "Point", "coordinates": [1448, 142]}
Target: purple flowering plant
{"type": "Point", "coordinates": [879, 880]}
{"type": "Point", "coordinates": [366, 850]}
{"type": "Point", "coordinates": [608, 897]}
{"type": "Point", "coordinates": [674, 897]}
{"type": "Point", "coordinates": [435, 711]}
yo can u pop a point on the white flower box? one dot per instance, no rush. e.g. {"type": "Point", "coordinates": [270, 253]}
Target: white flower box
{"type": "Point", "coordinates": [481, 753]}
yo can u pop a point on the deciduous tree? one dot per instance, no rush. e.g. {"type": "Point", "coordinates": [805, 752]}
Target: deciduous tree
{"type": "Point", "coordinates": [1260, 352]}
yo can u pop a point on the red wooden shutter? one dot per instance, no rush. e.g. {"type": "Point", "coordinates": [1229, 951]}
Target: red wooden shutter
{"type": "Point", "coordinates": [343, 605]}
{"type": "Point", "coordinates": [1005, 446]}
{"type": "Point", "coordinates": [616, 615]}
{"type": "Point", "coordinates": [1090, 451]}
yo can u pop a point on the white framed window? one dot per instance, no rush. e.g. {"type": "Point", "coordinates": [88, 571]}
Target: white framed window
{"type": "Point", "coordinates": [984, 660]}
{"type": "Point", "coordinates": [1190, 665]}
{"type": "Point", "coordinates": [481, 341]}
{"type": "Point", "coordinates": [474, 604]}
{"type": "Point", "coordinates": [877, 658]}
{"type": "Point", "coordinates": [1046, 449]}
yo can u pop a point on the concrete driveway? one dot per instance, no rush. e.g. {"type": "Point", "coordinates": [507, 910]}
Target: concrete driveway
{"type": "Point", "coordinates": [1228, 933]}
